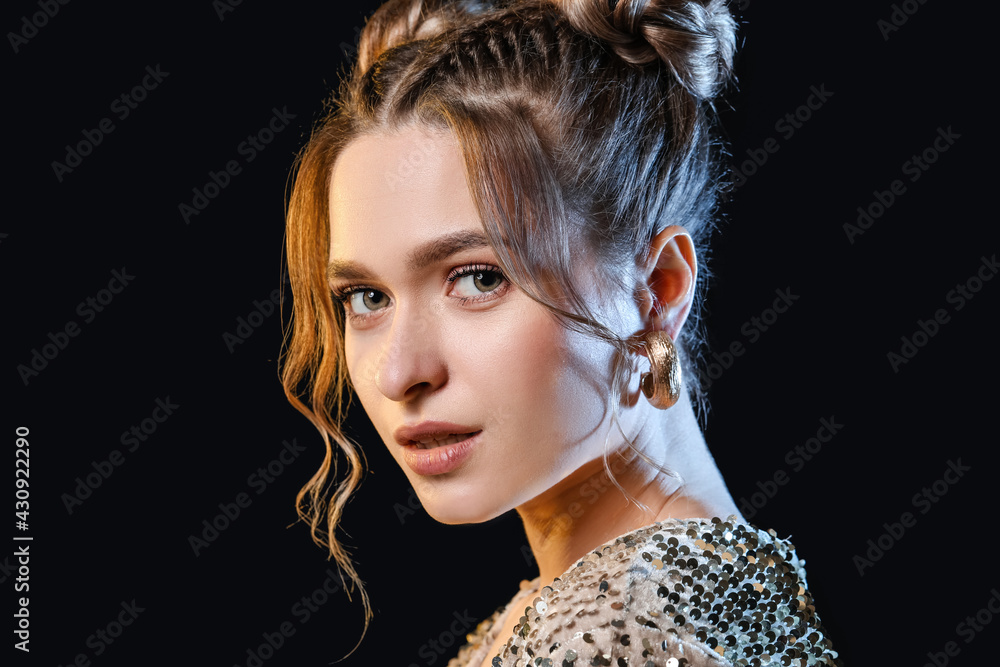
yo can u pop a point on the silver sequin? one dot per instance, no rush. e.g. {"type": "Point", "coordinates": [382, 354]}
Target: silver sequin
{"type": "Point", "coordinates": [675, 593]}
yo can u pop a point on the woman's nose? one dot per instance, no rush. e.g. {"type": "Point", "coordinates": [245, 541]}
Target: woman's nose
{"type": "Point", "coordinates": [410, 360]}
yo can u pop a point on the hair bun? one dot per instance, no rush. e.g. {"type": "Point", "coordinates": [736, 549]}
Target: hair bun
{"type": "Point", "coordinates": [399, 22]}
{"type": "Point", "coordinates": [696, 39]}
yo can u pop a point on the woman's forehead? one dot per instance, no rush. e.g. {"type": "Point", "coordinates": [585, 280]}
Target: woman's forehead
{"type": "Point", "coordinates": [413, 178]}
{"type": "Point", "coordinates": [405, 160]}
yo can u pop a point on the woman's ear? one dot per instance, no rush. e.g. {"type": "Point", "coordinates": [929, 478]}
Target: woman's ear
{"type": "Point", "coordinates": [668, 278]}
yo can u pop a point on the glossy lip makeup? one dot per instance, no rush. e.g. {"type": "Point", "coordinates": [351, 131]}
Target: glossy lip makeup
{"type": "Point", "coordinates": [435, 448]}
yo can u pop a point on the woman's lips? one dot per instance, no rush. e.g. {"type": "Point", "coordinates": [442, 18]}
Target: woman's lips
{"type": "Point", "coordinates": [430, 430]}
{"type": "Point", "coordinates": [436, 457]}
{"type": "Point", "coordinates": [428, 443]}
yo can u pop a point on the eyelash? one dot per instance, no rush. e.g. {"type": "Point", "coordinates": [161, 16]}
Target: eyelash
{"type": "Point", "coordinates": [344, 294]}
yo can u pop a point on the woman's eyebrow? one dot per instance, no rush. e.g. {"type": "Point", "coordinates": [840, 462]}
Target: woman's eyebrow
{"type": "Point", "coordinates": [425, 254]}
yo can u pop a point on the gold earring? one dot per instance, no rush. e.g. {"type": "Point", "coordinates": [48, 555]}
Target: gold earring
{"type": "Point", "coordinates": [662, 384]}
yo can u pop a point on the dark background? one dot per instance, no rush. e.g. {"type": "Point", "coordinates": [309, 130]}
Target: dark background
{"type": "Point", "coordinates": [163, 337]}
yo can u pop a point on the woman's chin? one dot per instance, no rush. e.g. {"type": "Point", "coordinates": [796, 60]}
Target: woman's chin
{"type": "Point", "coordinates": [462, 510]}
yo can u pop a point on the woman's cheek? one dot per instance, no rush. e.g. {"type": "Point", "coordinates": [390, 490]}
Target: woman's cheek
{"type": "Point", "coordinates": [535, 378]}
{"type": "Point", "coordinates": [353, 360]}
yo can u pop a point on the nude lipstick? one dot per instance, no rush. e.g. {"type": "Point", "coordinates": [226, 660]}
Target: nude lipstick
{"type": "Point", "coordinates": [435, 447]}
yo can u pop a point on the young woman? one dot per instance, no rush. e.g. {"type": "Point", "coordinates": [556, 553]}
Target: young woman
{"type": "Point", "coordinates": [495, 241]}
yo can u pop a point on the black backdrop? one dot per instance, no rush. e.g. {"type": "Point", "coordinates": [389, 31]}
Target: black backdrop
{"type": "Point", "coordinates": [122, 551]}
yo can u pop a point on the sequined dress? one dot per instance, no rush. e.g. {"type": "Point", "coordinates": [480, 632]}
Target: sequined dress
{"type": "Point", "coordinates": [684, 592]}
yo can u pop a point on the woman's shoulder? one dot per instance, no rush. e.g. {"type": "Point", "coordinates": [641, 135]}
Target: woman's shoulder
{"type": "Point", "coordinates": [679, 592]}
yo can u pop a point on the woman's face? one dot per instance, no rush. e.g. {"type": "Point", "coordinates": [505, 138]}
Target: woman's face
{"type": "Point", "coordinates": [434, 333]}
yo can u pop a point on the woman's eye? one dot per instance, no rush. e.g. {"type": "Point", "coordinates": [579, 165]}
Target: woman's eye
{"type": "Point", "coordinates": [367, 300]}
{"type": "Point", "coordinates": [478, 282]}
{"type": "Point", "coordinates": [472, 283]}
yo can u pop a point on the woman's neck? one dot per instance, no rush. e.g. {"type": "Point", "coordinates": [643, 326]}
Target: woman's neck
{"type": "Point", "coordinates": [586, 509]}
